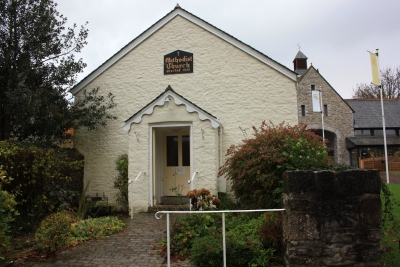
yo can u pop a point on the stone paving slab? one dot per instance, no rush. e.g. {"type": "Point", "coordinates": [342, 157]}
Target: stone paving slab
{"type": "Point", "coordinates": [135, 246]}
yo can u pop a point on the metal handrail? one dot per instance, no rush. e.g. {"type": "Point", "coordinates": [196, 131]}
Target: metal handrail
{"type": "Point", "coordinates": [129, 182]}
{"type": "Point", "coordinates": [205, 211]}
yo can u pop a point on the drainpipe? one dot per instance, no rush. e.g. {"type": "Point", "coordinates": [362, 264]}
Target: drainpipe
{"type": "Point", "coordinates": [220, 146]}
{"type": "Point", "coordinates": [221, 157]}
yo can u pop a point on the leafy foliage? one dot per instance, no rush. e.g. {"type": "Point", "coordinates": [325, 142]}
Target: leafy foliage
{"type": "Point", "coordinates": [244, 246]}
{"type": "Point", "coordinates": [187, 228]}
{"type": "Point", "coordinates": [248, 243]}
{"type": "Point", "coordinates": [7, 213]}
{"type": "Point", "coordinates": [390, 82]}
{"type": "Point", "coordinates": [271, 232]}
{"type": "Point", "coordinates": [61, 230]}
{"type": "Point", "coordinates": [91, 110]}
{"type": "Point", "coordinates": [389, 202]}
{"type": "Point", "coordinates": [121, 181]}
{"type": "Point", "coordinates": [37, 69]}
{"type": "Point", "coordinates": [54, 233]}
{"type": "Point", "coordinates": [91, 228]}
{"type": "Point", "coordinates": [390, 243]}
{"type": "Point", "coordinates": [44, 179]}
{"type": "Point", "coordinates": [255, 167]}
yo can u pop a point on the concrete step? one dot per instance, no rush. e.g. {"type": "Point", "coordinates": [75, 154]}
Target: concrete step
{"type": "Point", "coordinates": [168, 207]}
{"type": "Point", "coordinates": [174, 200]}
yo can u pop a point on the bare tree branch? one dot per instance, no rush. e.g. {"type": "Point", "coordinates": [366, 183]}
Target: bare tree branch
{"type": "Point", "coordinates": [390, 82]}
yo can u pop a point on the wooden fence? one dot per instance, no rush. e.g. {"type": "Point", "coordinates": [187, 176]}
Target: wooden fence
{"type": "Point", "coordinates": [378, 163]}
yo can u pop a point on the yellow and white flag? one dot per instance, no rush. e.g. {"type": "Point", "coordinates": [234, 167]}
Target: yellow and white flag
{"type": "Point", "coordinates": [375, 69]}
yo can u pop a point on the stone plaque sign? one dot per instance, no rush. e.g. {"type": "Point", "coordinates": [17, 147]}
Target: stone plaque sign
{"type": "Point", "coordinates": [178, 62]}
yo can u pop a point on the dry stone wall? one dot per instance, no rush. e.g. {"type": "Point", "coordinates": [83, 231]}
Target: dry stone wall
{"type": "Point", "coordinates": [332, 218]}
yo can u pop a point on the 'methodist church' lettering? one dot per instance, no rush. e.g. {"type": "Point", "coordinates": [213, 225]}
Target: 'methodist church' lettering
{"type": "Point", "coordinates": [178, 62]}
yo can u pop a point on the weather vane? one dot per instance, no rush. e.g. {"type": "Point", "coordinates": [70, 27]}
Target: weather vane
{"type": "Point", "coordinates": [299, 46]}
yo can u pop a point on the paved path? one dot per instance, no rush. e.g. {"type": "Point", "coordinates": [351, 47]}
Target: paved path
{"type": "Point", "coordinates": [136, 246]}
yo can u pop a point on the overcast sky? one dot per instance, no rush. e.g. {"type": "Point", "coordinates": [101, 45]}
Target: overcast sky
{"type": "Point", "coordinates": [334, 34]}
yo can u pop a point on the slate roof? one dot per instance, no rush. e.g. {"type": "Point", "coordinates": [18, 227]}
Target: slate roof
{"type": "Point", "coordinates": [371, 141]}
{"type": "Point", "coordinates": [368, 113]}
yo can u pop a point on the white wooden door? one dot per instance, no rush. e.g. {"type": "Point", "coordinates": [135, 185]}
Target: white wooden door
{"type": "Point", "coordinates": [176, 163]}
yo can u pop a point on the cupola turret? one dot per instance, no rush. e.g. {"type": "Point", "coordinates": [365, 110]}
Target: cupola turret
{"type": "Point", "coordinates": [300, 63]}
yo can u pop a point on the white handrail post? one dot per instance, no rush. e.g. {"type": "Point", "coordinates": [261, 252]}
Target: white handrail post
{"type": "Point", "coordinates": [223, 237]}
{"type": "Point", "coordinates": [191, 180]}
{"type": "Point", "coordinates": [129, 182]}
{"type": "Point", "coordinates": [168, 242]}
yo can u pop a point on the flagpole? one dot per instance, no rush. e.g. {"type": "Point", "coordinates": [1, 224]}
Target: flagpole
{"type": "Point", "coordinates": [322, 115]}
{"type": "Point", "coordinates": [383, 122]}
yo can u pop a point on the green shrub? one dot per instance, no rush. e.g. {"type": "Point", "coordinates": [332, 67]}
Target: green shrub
{"type": "Point", "coordinates": [390, 226]}
{"type": "Point", "coordinates": [44, 179]}
{"type": "Point", "coordinates": [186, 228]}
{"type": "Point", "coordinates": [7, 213]}
{"type": "Point", "coordinates": [54, 233]}
{"type": "Point", "coordinates": [271, 233]}
{"type": "Point", "coordinates": [243, 247]}
{"type": "Point", "coordinates": [95, 228]}
{"type": "Point", "coordinates": [200, 236]}
{"type": "Point", "coordinates": [207, 251]}
{"type": "Point", "coordinates": [255, 167]}
{"type": "Point", "coordinates": [121, 181]}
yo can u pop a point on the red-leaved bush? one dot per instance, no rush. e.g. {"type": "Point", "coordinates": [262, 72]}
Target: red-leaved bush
{"type": "Point", "coordinates": [255, 167]}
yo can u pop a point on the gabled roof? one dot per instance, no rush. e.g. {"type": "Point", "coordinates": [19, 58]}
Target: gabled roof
{"type": "Point", "coordinates": [160, 100]}
{"type": "Point", "coordinates": [178, 11]}
{"type": "Point", "coordinates": [368, 113]}
{"type": "Point", "coordinates": [312, 67]}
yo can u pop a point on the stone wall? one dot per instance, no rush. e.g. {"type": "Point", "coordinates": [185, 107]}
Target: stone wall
{"type": "Point", "coordinates": [332, 218]}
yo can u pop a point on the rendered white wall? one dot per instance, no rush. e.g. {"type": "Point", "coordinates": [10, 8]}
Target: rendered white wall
{"type": "Point", "coordinates": [226, 82]}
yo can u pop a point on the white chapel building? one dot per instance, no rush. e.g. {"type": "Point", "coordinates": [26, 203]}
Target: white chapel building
{"type": "Point", "coordinates": [185, 92]}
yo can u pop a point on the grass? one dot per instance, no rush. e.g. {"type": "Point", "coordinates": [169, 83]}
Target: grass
{"type": "Point", "coordinates": [390, 236]}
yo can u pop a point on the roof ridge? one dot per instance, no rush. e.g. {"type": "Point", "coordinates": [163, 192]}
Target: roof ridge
{"type": "Point", "coordinates": [160, 23]}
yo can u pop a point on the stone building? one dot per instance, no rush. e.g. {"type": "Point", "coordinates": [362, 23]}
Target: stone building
{"type": "Point", "coordinates": [367, 145]}
{"type": "Point", "coordinates": [185, 91]}
{"type": "Point", "coordinates": [336, 116]}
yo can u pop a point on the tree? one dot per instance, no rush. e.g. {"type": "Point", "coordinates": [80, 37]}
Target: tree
{"type": "Point", "coordinates": [390, 82]}
{"type": "Point", "coordinates": [37, 69]}
{"type": "Point", "coordinates": [255, 167]}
